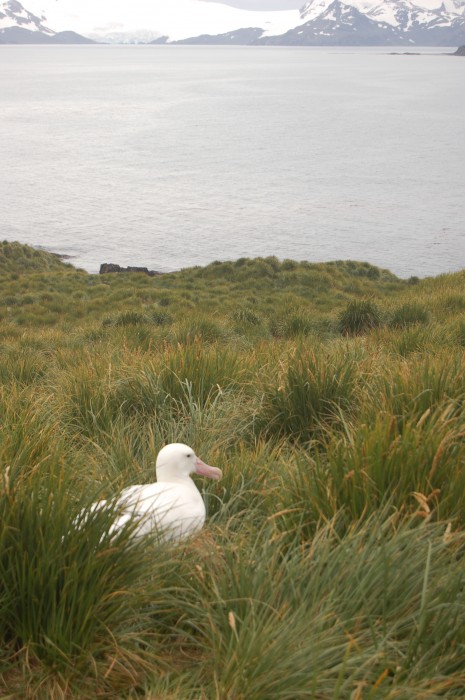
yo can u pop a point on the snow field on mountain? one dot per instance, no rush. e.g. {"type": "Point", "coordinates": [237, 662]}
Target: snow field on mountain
{"type": "Point", "coordinates": [177, 19]}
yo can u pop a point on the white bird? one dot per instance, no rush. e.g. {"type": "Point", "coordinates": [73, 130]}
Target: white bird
{"type": "Point", "coordinates": [173, 505]}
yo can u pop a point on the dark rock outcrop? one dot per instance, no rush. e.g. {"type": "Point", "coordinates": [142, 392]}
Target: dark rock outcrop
{"type": "Point", "coordinates": [460, 51]}
{"type": "Point", "coordinates": [106, 268]}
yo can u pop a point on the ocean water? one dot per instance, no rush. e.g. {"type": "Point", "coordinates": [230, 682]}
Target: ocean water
{"type": "Point", "coordinates": [176, 156]}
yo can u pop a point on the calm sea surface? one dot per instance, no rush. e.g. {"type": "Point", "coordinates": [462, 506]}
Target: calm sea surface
{"type": "Point", "coordinates": [175, 156]}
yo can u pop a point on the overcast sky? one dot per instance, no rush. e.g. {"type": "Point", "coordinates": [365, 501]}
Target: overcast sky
{"type": "Point", "coordinates": [263, 4]}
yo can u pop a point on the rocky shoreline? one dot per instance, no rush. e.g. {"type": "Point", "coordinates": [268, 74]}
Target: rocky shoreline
{"type": "Point", "coordinates": [107, 268]}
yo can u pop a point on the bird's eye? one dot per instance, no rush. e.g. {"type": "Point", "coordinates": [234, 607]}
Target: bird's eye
{"type": "Point", "coordinates": [189, 455]}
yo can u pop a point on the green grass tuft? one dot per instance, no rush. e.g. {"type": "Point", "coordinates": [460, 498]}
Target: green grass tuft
{"type": "Point", "coordinates": [359, 317]}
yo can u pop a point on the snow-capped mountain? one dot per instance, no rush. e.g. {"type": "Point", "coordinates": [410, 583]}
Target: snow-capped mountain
{"type": "Point", "coordinates": [13, 14]}
{"type": "Point", "coordinates": [107, 20]}
{"type": "Point", "coordinates": [20, 26]}
{"type": "Point", "coordinates": [435, 22]}
{"type": "Point", "coordinates": [343, 25]}
{"type": "Point", "coordinates": [319, 22]}
{"type": "Point", "coordinates": [390, 22]}
{"type": "Point", "coordinates": [400, 13]}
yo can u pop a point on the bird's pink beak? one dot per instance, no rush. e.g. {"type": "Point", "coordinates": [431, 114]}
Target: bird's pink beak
{"type": "Point", "coordinates": [206, 470]}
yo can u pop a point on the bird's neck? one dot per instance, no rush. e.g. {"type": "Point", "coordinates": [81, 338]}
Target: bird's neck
{"type": "Point", "coordinates": [166, 477]}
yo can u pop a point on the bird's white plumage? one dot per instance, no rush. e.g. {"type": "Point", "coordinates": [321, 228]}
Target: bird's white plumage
{"type": "Point", "coordinates": [172, 506]}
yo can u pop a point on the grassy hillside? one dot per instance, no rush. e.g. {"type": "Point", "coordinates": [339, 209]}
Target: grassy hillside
{"type": "Point", "coordinates": [331, 566]}
{"type": "Point", "coordinates": [16, 258]}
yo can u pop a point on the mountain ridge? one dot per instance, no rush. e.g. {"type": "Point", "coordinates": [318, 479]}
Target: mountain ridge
{"type": "Point", "coordinates": [20, 26]}
{"type": "Point", "coordinates": [317, 23]}
{"type": "Point", "coordinates": [343, 24]}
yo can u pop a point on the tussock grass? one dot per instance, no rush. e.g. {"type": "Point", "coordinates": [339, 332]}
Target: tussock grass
{"type": "Point", "coordinates": [16, 259]}
{"type": "Point", "coordinates": [408, 466]}
{"type": "Point", "coordinates": [412, 386]}
{"type": "Point", "coordinates": [331, 565]}
{"type": "Point", "coordinates": [313, 389]}
{"type": "Point", "coordinates": [82, 610]}
{"type": "Point", "coordinates": [409, 315]}
{"type": "Point", "coordinates": [360, 316]}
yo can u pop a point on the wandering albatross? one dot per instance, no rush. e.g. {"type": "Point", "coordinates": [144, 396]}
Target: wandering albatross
{"type": "Point", "coordinates": [172, 505]}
